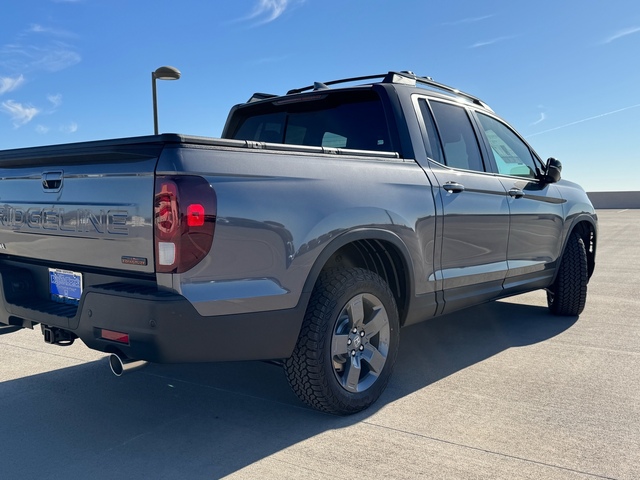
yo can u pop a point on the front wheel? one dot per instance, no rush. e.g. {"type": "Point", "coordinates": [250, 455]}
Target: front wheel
{"type": "Point", "coordinates": [568, 294]}
{"type": "Point", "coordinates": [348, 342]}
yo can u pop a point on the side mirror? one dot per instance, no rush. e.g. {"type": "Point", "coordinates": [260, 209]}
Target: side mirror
{"type": "Point", "coordinates": [552, 171]}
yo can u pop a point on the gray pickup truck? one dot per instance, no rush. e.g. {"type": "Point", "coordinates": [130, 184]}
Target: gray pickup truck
{"type": "Point", "coordinates": [322, 222]}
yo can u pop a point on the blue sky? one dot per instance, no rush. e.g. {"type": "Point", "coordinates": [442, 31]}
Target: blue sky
{"type": "Point", "coordinates": [564, 73]}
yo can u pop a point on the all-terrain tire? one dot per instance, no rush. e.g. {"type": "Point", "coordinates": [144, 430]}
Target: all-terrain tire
{"type": "Point", "coordinates": [568, 294]}
{"type": "Point", "coordinates": [348, 343]}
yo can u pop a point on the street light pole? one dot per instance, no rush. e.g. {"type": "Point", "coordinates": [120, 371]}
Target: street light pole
{"type": "Point", "coordinates": [162, 73]}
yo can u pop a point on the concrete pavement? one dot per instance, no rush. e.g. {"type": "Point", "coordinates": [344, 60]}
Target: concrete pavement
{"type": "Point", "coordinates": [501, 391]}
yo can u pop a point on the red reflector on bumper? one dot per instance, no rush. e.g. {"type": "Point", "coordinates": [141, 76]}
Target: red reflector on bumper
{"type": "Point", "coordinates": [115, 336]}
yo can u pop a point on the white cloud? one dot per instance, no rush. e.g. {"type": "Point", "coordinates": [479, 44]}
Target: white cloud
{"type": "Point", "coordinates": [69, 128]}
{"type": "Point", "coordinates": [56, 100]}
{"type": "Point", "coordinates": [37, 28]}
{"type": "Point", "coordinates": [466, 21]}
{"type": "Point", "coordinates": [621, 33]}
{"type": "Point", "coordinates": [8, 84]}
{"type": "Point", "coordinates": [42, 129]}
{"type": "Point", "coordinates": [54, 57]}
{"type": "Point", "coordinates": [20, 114]}
{"type": "Point", "coordinates": [269, 9]}
{"type": "Point", "coordinates": [39, 48]}
{"type": "Point", "coordinates": [542, 118]}
{"type": "Point", "coordinates": [490, 42]}
{"type": "Point", "coordinates": [266, 11]}
{"type": "Point", "coordinates": [588, 119]}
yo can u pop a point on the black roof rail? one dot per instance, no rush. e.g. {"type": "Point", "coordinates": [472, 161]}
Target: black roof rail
{"type": "Point", "coordinates": [403, 77]}
{"type": "Point", "coordinates": [334, 82]}
{"type": "Point", "coordinates": [437, 85]}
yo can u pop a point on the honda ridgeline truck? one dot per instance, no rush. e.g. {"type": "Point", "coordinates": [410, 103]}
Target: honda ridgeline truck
{"type": "Point", "coordinates": [319, 224]}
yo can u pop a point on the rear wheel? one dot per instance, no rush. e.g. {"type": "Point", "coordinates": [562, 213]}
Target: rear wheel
{"type": "Point", "coordinates": [568, 294]}
{"type": "Point", "coordinates": [348, 342]}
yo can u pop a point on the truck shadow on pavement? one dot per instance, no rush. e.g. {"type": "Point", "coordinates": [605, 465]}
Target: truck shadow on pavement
{"type": "Point", "coordinates": [445, 345]}
{"type": "Point", "coordinates": [209, 421]}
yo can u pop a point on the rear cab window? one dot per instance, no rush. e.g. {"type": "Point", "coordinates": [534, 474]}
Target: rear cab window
{"type": "Point", "coordinates": [353, 119]}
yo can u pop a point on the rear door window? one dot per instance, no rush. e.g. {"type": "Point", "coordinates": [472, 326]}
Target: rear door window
{"type": "Point", "coordinates": [459, 143]}
{"type": "Point", "coordinates": [434, 150]}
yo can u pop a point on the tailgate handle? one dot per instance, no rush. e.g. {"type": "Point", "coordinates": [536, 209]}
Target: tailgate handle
{"type": "Point", "coordinates": [52, 181]}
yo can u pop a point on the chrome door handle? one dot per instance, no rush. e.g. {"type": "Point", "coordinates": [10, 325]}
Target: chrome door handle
{"type": "Point", "coordinates": [453, 187]}
{"type": "Point", "coordinates": [516, 193]}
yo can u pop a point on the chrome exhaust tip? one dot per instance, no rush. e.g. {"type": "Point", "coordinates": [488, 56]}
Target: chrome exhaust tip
{"type": "Point", "coordinates": [120, 365]}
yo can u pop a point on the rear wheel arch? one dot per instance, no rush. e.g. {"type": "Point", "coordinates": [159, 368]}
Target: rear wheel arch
{"type": "Point", "coordinates": [378, 251]}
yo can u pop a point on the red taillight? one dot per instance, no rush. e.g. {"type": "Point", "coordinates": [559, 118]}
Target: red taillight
{"type": "Point", "coordinates": [166, 210]}
{"type": "Point", "coordinates": [195, 215]}
{"type": "Point", "coordinates": [184, 218]}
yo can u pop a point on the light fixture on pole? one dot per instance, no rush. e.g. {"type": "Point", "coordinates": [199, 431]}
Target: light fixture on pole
{"type": "Point", "coordinates": [162, 73]}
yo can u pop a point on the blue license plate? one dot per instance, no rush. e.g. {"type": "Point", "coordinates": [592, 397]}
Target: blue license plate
{"type": "Point", "coordinates": [65, 286]}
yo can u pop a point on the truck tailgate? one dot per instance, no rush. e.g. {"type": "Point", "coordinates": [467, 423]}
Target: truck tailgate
{"type": "Point", "coordinates": [55, 202]}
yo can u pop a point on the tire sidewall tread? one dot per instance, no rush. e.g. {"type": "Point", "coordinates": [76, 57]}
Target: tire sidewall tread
{"type": "Point", "coordinates": [568, 294]}
{"type": "Point", "coordinates": [310, 369]}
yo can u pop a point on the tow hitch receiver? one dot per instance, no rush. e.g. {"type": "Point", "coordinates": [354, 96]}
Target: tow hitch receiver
{"type": "Point", "coordinates": [57, 336]}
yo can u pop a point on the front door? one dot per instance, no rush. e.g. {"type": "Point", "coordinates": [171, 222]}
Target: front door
{"type": "Point", "coordinates": [536, 208]}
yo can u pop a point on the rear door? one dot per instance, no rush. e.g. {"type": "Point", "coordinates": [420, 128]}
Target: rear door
{"type": "Point", "coordinates": [475, 212]}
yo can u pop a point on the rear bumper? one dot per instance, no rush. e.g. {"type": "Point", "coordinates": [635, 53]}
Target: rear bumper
{"type": "Point", "coordinates": [163, 327]}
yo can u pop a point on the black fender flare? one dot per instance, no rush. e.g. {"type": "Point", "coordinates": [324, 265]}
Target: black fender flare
{"type": "Point", "coordinates": [354, 236]}
{"type": "Point", "coordinates": [578, 219]}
